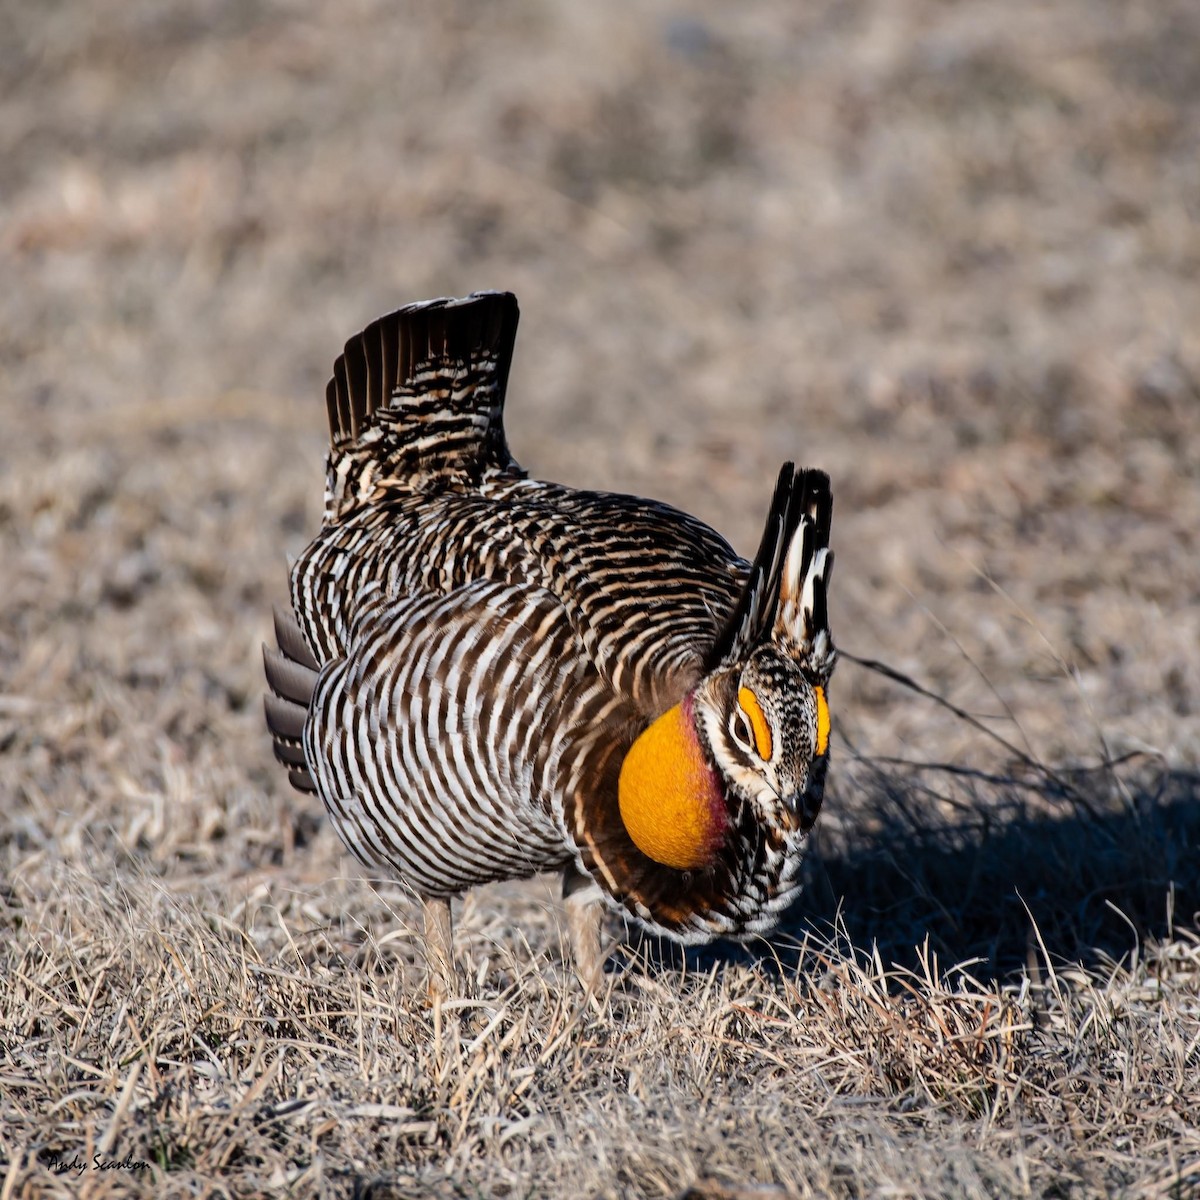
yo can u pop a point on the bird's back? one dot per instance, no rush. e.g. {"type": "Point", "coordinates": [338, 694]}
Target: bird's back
{"type": "Point", "coordinates": [422, 496]}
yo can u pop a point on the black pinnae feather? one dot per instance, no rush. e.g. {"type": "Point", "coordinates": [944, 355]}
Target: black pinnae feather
{"type": "Point", "coordinates": [797, 494]}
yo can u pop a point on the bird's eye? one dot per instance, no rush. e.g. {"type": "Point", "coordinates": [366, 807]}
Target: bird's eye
{"type": "Point", "coordinates": [749, 725]}
{"type": "Point", "coordinates": [741, 730]}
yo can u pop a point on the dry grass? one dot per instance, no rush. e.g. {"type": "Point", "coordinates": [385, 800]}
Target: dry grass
{"type": "Point", "coordinates": [279, 1042]}
{"type": "Point", "coordinates": [948, 252]}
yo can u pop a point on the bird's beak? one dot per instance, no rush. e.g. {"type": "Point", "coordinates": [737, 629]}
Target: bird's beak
{"type": "Point", "coordinates": [805, 806]}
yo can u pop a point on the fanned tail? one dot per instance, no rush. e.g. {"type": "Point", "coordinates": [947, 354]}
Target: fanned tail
{"type": "Point", "coordinates": [784, 598]}
{"type": "Point", "coordinates": [417, 400]}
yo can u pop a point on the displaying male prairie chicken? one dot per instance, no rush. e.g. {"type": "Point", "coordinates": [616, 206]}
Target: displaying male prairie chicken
{"type": "Point", "coordinates": [485, 676]}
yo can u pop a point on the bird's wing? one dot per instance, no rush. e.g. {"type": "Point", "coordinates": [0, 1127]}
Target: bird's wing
{"type": "Point", "coordinates": [647, 587]}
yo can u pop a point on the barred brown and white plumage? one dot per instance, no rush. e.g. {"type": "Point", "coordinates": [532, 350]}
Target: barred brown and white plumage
{"type": "Point", "coordinates": [486, 676]}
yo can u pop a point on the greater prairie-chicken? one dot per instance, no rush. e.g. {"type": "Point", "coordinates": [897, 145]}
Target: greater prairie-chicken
{"type": "Point", "coordinates": [485, 676]}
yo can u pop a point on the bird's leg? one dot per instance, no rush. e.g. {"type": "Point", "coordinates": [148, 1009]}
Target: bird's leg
{"type": "Point", "coordinates": [585, 915]}
{"type": "Point", "coordinates": [439, 949]}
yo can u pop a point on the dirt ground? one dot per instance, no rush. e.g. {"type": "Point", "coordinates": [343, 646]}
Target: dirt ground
{"type": "Point", "coordinates": [949, 252]}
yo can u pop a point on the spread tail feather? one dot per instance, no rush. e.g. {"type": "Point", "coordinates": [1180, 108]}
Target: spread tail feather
{"type": "Point", "coordinates": [417, 398]}
{"type": "Point", "coordinates": [291, 675]}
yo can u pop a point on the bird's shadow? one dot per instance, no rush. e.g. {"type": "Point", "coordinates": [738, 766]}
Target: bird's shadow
{"type": "Point", "coordinates": [1085, 868]}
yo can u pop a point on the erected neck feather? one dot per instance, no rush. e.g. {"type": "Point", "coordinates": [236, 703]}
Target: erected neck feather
{"type": "Point", "coordinates": [670, 801]}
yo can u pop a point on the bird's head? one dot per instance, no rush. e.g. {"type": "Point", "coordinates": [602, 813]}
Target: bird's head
{"type": "Point", "coordinates": [752, 736]}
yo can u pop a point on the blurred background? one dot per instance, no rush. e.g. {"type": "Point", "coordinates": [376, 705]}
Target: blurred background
{"type": "Point", "coordinates": [949, 252]}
